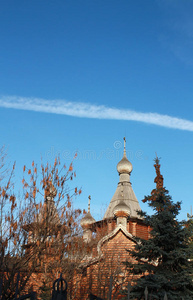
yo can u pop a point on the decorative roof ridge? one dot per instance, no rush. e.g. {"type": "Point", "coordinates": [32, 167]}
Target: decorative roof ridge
{"type": "Point", "coordinates": [90, 262]}
{"type": "Point", "coordinates": [113, 233]}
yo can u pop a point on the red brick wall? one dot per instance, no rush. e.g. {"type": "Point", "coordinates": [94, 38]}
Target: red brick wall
{"type": "Point", "coordinates": [96, 277]}
{"type": "Point", "coordinates": [115, 253]}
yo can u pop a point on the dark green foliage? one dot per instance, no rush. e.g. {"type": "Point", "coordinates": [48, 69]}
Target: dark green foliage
{"type": "Point", "coordinates": [189, 226]}
{"type": "Point", "coordinates": [163, 260]}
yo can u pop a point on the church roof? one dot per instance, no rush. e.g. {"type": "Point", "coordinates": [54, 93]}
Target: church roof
{"type": "Point", "coordinates": [124, 193]}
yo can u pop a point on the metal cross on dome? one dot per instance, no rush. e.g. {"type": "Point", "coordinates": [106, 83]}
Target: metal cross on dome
{"type": "Point", "coordinates": [89, 198]}
{"type": "Point", "coordinates": [124, 145]}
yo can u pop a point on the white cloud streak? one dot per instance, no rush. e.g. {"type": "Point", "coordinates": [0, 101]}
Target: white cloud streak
{"type": "Point", "coordinates": [86, 110]}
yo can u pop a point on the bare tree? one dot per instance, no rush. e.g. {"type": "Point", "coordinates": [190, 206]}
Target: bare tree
{"type": "Point", "coordinates": [41, 236]}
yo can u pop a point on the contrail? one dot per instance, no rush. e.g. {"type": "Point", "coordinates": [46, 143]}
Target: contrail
{"type": "Point", "coordinates": [86, 110]}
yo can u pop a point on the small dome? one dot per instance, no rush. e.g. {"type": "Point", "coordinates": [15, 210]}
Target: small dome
{"type": "Point", "coordinates": [124, 166]}
{"type": "Point", "coordinates": [121, 209]}
{"type": "Point", "coordinates": [87, 220]}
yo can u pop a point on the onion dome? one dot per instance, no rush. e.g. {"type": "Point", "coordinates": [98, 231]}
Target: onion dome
{"type": "Point", "coordinates": [124, 166]}
{"type": "Point", "coordinates": [121, 210]}
{"type": "Point", "coordinates": [87, 219]}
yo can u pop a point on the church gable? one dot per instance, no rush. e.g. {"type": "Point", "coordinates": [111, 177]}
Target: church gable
{"type": "Point", "coordinates": [119, 238]}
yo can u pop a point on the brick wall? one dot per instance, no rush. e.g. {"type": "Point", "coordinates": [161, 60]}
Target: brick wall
{"type": "Point", "coordinates": [114, 254]}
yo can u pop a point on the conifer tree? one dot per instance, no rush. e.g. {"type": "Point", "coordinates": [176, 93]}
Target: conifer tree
{"type": "Point", "coordinates": [162, 262]}
{"type": "Point", "coordinates": [189, 226]}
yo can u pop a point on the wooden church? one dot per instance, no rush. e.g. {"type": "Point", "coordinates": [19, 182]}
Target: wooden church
{"type": "Point", "coordinates": [110, 238]}
{"type": "Point", "coordinates": [102, 267]}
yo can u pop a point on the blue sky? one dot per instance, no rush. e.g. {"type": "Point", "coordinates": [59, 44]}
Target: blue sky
{"type": "Point", "coordinates": [78, 76]}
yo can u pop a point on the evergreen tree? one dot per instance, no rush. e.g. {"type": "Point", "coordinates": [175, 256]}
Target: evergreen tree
{"type": "Point", "coordinates": [162, 262]}
{"type": "Point", "coordinates": [189, 226]}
